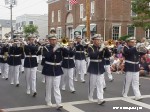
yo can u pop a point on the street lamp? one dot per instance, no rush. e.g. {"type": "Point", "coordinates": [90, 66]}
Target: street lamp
{"type": "Point", "coordinates": [11, 4]}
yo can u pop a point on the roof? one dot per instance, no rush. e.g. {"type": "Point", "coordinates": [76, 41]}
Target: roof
{"type": "Point", "coordinates": [5, 23]}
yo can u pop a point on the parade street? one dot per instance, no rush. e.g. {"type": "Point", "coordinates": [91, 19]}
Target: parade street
{"type": "Point", "coordinates": [15, 99]}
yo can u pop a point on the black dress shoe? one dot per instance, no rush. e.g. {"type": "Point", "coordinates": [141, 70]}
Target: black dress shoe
{"type": "Point", "coordinates": [111, 80]}
{"type": "Point", "coordinates": [83, 81]}
{"type": "Point", "coordinates": [6, 79]}
{"type": "Point", "coordinates": [59, 107]}
{"type": "Point", "coordinates": [34, 94]}
{"type": "Point", "coordinates": [104, 88]}
{"type": "Point", "coordinates": [17, 85]}
{"type": "Point", "coordinates": [73, 92]}
{"type": "Point", "coordinates": [0, 73]}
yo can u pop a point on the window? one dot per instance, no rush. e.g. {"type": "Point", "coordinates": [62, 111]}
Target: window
{"type": "Point", "coordinates": [30, 22]}
{"type": "Point", "coordinates": [70, 6]}
{"type": "Point", "coordinates": [59, 31]}
{"type": "Point", "coordinates": [52, 16]}
{"type": "Point", "coordinates": [92, 7]}
{"type": "Point", "coordinates": [147, 33]}
{"type": "Point", "coordinates": [116, 32]}
{"type": "Point", "coordinates": [59, 15]}
{"type": "Point", "coordinates": [131, 31]}
{"type": "Point", "coordinates": [81, 10]}
{"type": "Point", "coordinates": [132, 13]}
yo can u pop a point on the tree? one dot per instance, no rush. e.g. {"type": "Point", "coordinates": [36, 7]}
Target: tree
{"type": "Point", "coordinates": [142, 9]}
{"type": "Point", "coordinates": [30, 29]}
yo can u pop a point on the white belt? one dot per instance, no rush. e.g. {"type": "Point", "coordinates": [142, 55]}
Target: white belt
{"type": "Point", "coordinates": [131, 62]}
{"type": "Point", "coordinates": [68, 58]}
{"type": "Point", "coordinates": [30, 56]}
{"type": "Point", "coordinates": [95, 60]}
{"type": "Point", "coordinates": [79, 51]}
{"type": "Point", "coordinates": [15, 55]}
{"type": "Point", "coordinates": [50, 63]}
{"type": "Point", "coordinates": [106, 58]}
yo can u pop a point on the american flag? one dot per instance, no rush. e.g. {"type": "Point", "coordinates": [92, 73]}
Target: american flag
{"type": "Point", "coordinates": [72, 2]}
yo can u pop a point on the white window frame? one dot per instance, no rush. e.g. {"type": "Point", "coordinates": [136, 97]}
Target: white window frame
{"type": "Point", "coordinates": [147, 33]}
{"type": "Point", "coordinates": [128, 30]}
{"type": "Point", "coordinates": [59, 15]}
{"type": "Point", "coordinates": [92, 7]}
{"type": "Point", "coordinates": [81, 11]}
{"type": "Point", "coordinates": [133, 14]}
{"type": "Point", "coordinates": [59, 32]}
{"type": "Point", "coordinates": [52, 16]}
{"type": "Point", "coordinates": [119, 35]}
{"type": "Point", "coordinates": [70, 6]}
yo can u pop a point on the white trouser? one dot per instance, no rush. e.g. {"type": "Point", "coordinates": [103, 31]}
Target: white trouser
{"type": "Point", "coordinates": [4, 70]}
{"type": "Point", "coordinates": [131, 77]}
{"type": "Point", "coordinates": [80, 69]}
{"type": "Point", "coordinates": [53, 81]}
{"type": "Point", "coordinates": [68, 73]}
{"type": "Point", "coordinates": [22, 65]}
{"type": "Point", "coordinates": [14, 74]}
{"type": "Point", "coordinates": [108, 72]}
{"type": "Point", "coordinates": [88, 61]}
{"type": "Point", "coordinates": [39, 58]}
{"type": "Point", "coordinates": [31, 78]}
{"type": "Point", "coordinates": [96, 81]}
{"type": "Point", "coordinates": [43, 78]}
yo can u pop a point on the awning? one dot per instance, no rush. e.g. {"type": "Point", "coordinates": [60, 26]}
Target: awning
{"type": "Point", "coordinates": [79, 28]}
{"type": "Point", "coordinates": [92, 28]}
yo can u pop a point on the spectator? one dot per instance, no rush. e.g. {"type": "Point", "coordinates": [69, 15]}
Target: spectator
{"type": "Point", "coordinates": [143, 67]}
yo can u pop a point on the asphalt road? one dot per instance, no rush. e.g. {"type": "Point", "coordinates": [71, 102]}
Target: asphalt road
{"type": "Point", "coordinates": [15, 99]}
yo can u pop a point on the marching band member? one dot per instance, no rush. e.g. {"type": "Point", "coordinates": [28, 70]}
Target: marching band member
{"type": "Point", "coordinates": [106, 60]}
{"type": "Point", "coordinates": [30, 65]}
{"type": "Point", "coordinates": [96, 69]}
{"type": "Point", "coordinates": [14, 62]}
{"type": "Point", "coordinates": [52, 70]}
{"type": "Point", "coordinates": [3, 60]}
{"type": "Point", "coordinates": [131, 55]}
{"type": "Point", "coordinates": [68, 66]}
{"type": "Point", "coordinates": [80, 60]}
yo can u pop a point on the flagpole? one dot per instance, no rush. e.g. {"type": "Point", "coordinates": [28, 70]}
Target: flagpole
{"type": "Point", "coordinates": [88, 19]}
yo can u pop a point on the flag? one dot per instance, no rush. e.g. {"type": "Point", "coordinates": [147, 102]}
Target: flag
{"type": "Point", "coordinates": [72, 2]}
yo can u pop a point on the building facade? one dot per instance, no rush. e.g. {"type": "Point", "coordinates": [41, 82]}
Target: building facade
{"type": "Point", "coordinates": [5, 27]}
{"type": "Point", "coordinates": [110, 18]}
{"type": "Point", "coordinates": [39, 20]}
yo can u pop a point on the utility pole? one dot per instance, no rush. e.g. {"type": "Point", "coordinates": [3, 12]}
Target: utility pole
{"type": "Point", "coordinates": [88, 19]}
{"type": "Point", "coordinates": [11, 4]}
{"type": "Point", "coordinates": [105, 11]}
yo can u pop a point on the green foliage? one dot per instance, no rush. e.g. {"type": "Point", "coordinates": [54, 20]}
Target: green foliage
{"type": "Point", "coordinates": [124, 37]}
{"type": "Point", "coordinates": [142, 9]}
{"type": "Point", "coordinates": [30, 29]}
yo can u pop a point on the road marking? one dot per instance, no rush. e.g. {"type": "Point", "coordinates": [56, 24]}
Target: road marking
{"type": "Point", "coordinates": [141, 104]}
{"type": "Point", "coordinates": [69, 105]}
{"type": "Point", "coordinates": [145, 78]}
{"type": "Point", "coordinates": [71, 108]}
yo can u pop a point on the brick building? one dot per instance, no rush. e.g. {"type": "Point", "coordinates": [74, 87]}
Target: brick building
{"type": "Point", "coordinates": [113, 15]}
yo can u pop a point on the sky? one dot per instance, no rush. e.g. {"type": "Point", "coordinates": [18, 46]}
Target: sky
{"type": "Point", "coordinates": [24, 7]}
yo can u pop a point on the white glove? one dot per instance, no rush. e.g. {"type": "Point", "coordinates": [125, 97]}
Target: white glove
{"type": "Point", "coordinates": [102, 47]}
{"type": "Point", "coordinates": [24, 42]}
{"type": "Point", "coordinates": [18, 45]}
{"type": "Point", "coordinates": [56, 47]}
